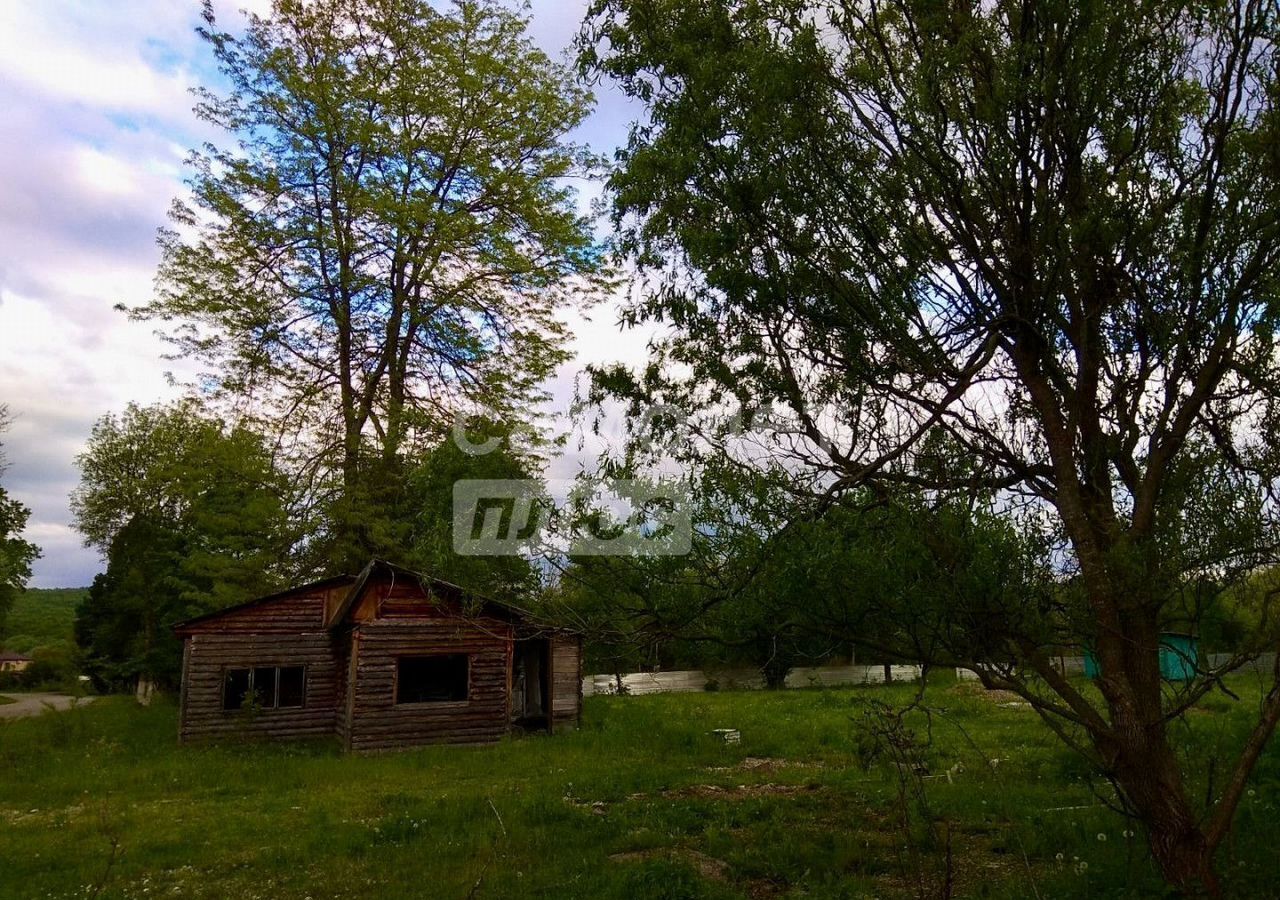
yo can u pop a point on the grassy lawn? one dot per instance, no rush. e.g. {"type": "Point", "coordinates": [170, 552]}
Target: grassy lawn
{"type": "Point", "coordinates": [4, 700]}
{"type": "Point", "coordinates": [641, 802]}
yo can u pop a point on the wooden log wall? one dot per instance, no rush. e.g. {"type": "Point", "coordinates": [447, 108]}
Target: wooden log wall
{"type": "Point", "coordinates": [299, 612]}
{"type": "Point", "coordinates": [376, 722]}
{"type": "Point", "coordinates": [351, 672]}
{"type": "Point", "coordinates": [285, 631]}
{"type": "Point", "coordinates": [345, 662]}
{"type": "Point", "coordinates": [566, 678]}
{"type": "Point", "coordinates": [211, 654]}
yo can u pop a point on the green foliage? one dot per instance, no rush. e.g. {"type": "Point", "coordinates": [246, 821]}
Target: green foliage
{"type": "Point", "coordinates": [53, 667]}
{"type": "Point", "coordinates": [192, 516]}
{"type": "Point", "coordinates": [944, 583]}
{"type": "Point", "coordinates": [637, 611]}
{"type": "Point", "coordinates": [404, 511]}
{"type": "Point", "coordinates": [642, 607]}
{"type": "Point", "coordinates": [774, 581]}
{"type": "Point", "coordinates": [16, 554]}
{"type": "Point", "coordinates": [42, 626]}
{"type": "Point", "coordinates": [428, 512]}
{"type": "Point", "coordinates": [43, 616]}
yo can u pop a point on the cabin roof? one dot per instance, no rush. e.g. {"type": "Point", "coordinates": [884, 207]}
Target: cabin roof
{"type": "Point", "coordinates": [334, 581]}
{"type": "Point", "coordinates": [6, 656]}
{"type": "Point", "coordinates": [477, 605]}
{"type": "Point", "coordinates": [481, 605]}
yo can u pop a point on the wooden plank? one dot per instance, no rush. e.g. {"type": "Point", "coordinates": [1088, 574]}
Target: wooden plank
{"type": "Point", "coordinates": [377, 722]}
{"type": "Point", "coordinates": [286, 613]}
{"type": "Point", "coordinates": [186, 681]}
{"type": "Point", "coordinates": [209, 655]}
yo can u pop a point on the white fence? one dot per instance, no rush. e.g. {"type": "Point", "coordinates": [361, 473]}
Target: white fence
{"type": "Point", "coordinates": [819, 676]}
{"type": "Point", "coordinates": [1068, 665]}
{"type": "Point", "coordinates": [1074, 665]}
{"type": "Point", "coordinates": [741, 679]}
{"type": "Point", "coordinates": [1263, 665]}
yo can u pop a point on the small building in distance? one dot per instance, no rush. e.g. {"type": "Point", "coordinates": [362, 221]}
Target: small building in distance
{"type": "Point", "coordinates": [13, 662]}
{"type": "Point", "coordinates": [385, 659]}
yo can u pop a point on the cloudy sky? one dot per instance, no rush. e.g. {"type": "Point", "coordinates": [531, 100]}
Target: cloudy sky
{"type": "Point", "coordinates": [96, 123]}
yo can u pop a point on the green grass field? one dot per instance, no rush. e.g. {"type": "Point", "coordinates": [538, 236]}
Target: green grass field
{"type": "Point", "coordinates": [642, 802]}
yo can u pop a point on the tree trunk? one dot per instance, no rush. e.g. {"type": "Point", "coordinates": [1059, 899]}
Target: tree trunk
{"type": "Point", "coordinates": [1151, 780]}
{"type": "Point", "coordinates": [1143, 763]}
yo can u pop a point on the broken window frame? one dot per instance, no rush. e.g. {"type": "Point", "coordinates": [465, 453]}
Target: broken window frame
{"type": "Point", "coordinates": [265, 698]}
{"type": "Point", "coordinates": [460, 694]}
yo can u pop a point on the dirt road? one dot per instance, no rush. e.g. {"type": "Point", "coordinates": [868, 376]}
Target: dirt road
{"type": "Point", "coordinates": [35, 704]}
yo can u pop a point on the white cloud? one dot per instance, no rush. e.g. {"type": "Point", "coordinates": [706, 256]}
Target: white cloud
{"type": "Point", "coordinates": [96, 121]}
{"type": "Point", "coordinates": [89, 55]}
{"type": "Point", "coordinates": [104, 174]}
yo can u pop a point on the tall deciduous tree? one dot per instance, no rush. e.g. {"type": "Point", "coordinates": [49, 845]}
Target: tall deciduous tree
{"type": "Point", "coordinates": [16, 553]}
{"type": "Point", "coordinates": [1047, 230]}
{"type": "Point", "coordinates": [190, 515]}
{"type": "Point", "coordinates": [391, 234]}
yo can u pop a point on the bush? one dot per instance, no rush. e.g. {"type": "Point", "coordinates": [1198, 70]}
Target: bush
{"type": "Point", "coordinates": [54, 667]}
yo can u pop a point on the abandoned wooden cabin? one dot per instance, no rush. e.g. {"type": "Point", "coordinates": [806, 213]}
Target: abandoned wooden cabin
{"type": "Point", "coordinates": [388, 658]}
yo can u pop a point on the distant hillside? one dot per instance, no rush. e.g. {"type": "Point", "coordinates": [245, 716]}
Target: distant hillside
{"type": "Point", "coordinates": [41, 616]}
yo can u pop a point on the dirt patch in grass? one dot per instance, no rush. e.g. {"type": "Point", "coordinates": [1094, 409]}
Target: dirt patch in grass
{"type": "Point", "coordinates": [766, 764]}
{"type": "Point", "coordinates": [595, 807]}
{"type": "Point", "coordinates": [704, 865]}
{"type": "Point", "coordinates": [41, 817]}
{"type": "Point", "coordinates": [975, 862]}
{"type": "Point", "coordinates": [979, 862]}
{"type": "Point", "coordinates": [975, 689]}
{"type": "Point", "coordinates": [707, 866]}
{"type": "Point", "coordinates": [742, 791]}
{"type": "Point", "coordinates": [710, 792]}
